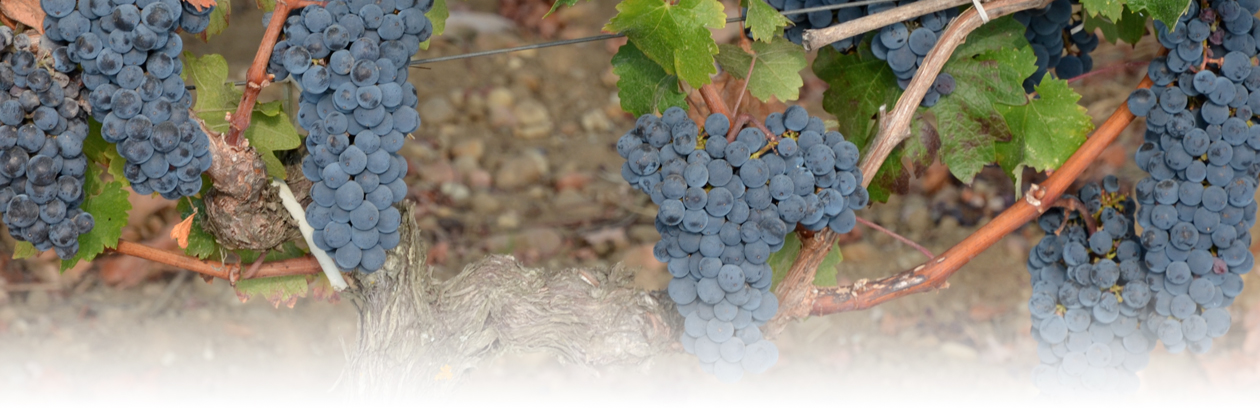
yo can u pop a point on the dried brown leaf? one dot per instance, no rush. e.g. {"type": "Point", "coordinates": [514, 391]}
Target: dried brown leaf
{"type": "Point", "coordinates": [26, 11]}
{"type": "Point", "coordinates": [181, 230]}
{"type": "Point", "coordinates": [201, 4]}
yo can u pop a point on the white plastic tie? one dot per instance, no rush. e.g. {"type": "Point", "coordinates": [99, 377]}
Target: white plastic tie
{"type": "Point", "coordinates": [984, 16]}
{"type": "Point", "coordinates": [295, 209]}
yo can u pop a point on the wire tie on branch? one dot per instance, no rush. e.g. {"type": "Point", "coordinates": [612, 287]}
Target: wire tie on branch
{"type": "Point", "coordinates": [984, 15]}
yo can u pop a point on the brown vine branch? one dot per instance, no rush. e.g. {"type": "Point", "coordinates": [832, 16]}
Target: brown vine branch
{"type": "Point", "coordinates": [256, 78]}
{"type": "Point", "coordinates": [294, 266]}
{"type": "Point", "coordinates": [933, 274]}
{"type": "Point", "coordinates": [899, 238]}
{"type": "Point", "coordinates": [898, 122]}
{"type": "Point", "coordinates": [817, 38]}
{"type": "Point", "coordinates": [714, 100]}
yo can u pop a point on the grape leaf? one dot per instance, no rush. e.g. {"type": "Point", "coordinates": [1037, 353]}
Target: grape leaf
{"type": "Point", "coordinates": [763, 21]}
{"type": "Point", "coordinates": [967, 120]}
{"type": "Point", "coordinates": [782, 260]}
{"type": "Point", "coordinates": [98, 151]}
{"type": "Point", "coordinates": [1111, 9]}
{"type": "Point", "coordinates": [437, 15]}
{"type": "Point", "coordinates": [266, 5]}
{"type": "Point", "coordinates": [278, 290]}
{"type": "Point", "coordinates": [219, 19]}
{"type": "Point", "coordinates": [1130, 28]}
{"type": "Point", "coordinates": [1046, 130]}
{"type": "Point", "coordinates": [673, 35]}
{"type": "Point", "coordinates": [1166, 11]}
{"type": "Point", "coordinates": [558, 3]}
{"type": "Point", "coordinates": [200, 243]}
{"type": "Point", "coordinates": [643, 86]}
{"type": "Point", "coordinates": [269, 133]}
{"type": "Point", "coordinates": [859, 85]}
{"type": "Point", "coordinates": [777, 72]}
{"type": "Point", "coordinates": [23, 250]}
{"type": "Point", "coordinates": [108, 204]}
{"type": "Point", "coordinates": [270, 128]}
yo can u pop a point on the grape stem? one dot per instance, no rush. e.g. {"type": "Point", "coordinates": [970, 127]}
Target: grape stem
{"type": "Point", "coordinates": [714, 100]}
{"type": "Point", "coordinates": [257, 77]}
{"type": "Point", "coordinates": [814, 39]}
{"type": "Point", "coordinates": [1071, 203]}
{"type": "Point", "coordinates": [900, 238]}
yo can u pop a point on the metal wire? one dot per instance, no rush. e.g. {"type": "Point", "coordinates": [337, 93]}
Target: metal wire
{"type": "Point", "coordinates": [602, 37]}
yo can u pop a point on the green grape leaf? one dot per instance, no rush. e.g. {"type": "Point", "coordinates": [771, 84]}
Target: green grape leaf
{"type": "Point", "coordinates": [676, 36]}
{"type": "Point", "coordinates": [266, 5]}
{"type": "Point", "coordinates": [219, 19]}
{"type": "Point", "coordinates": [437, 15]}
{"type": "Point", "coordinates": [859, 85]}
{"type": "Point", "coordinates": [782, 260]}
{"type": "Point", "coordinates": [1046, 131]}
{"type": "Point", "coordinates": [764, 21]}
{"type": "Point", "coordinates": [270, 129]}
{"type": "Point", "coordinates": [643, 86]}
{"type": "Point", "coordinates": [776, 72]}
{"type": "Point", "coordinates": [100, 152]}
{"type": "Point", "coordinates": [1166, 11]}
{"type": "Point", "coordinates": [108, 204]}
{"type": "Point", "coordinates": [1111, 9]}
{"type": "Point", "coordinates": [1130, 28]}
{"type": "Point", "coordinates": [216, 97]}
{"type": "Point", "coordinates": [558, 3]}
{"type": "Point", "coordinates": [1004, 32]}
{"type": "Point", "coordinates": [23, 250]}
{"type": "Point", "coordinates": [270, 133]}
{"type": "Point", "coordinates": [967, 120]}
{"type": "Point", "coordinates": [201, 244]}
{"type": "Point", "coordinates": [283, 290]}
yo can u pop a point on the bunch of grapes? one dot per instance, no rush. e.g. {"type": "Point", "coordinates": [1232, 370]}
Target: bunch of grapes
{"type": "Point", "coordinates": [725, 206]}
{"type": "Point", "coordinates": [129, 55]}
{"type": "Point", "coordinates": [1090, 297]}
{"type": "Point", "coordinates": [1201, 154]}
{"type": "Point", "coordinates": [818, 19]}
{"type": "Point", "coordinates": [1049, 29]}
{"type": "Point", "coordinates": [42, 166]}
{"type": "Point", "coordinates": [904, 44]}
{"type": "Point", "coordinates": [350, 59]}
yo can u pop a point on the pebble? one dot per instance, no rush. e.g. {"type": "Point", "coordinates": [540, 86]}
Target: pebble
{"type": "Point", "coordinates": [436, 110]}
{"type": "Point", "coordinates": [509, 220]}
{"type": "Point", "coordinates": [544, 241]}
{"type": "Point", "coordinates": [485, 203]}
{"type": "Point", "coordinates": [594, 121]}
{"type": "Point", "coordinates": [479, 179]}
{"type": "Point", "coordinates": [532, 119]}
{"type": "Point", "coordinates": [500, 96]}
{"type": "Point", "coordinates": [959, 351]}
{"type": "Point", "coordinates": [473, 148]}
{"type": "Point", "coordinates": [458, 193]}
{"type": "Point", "coordinates": [527, 168]}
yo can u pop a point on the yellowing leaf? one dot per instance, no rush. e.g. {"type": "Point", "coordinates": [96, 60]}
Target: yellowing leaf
{"type": "Point", "coordinates": [776, 73]}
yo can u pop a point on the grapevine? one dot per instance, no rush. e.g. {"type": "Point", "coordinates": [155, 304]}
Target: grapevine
{"type": "Point", "coordinates": [100, 95]}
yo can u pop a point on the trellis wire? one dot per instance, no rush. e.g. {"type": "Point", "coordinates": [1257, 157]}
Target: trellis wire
{"type": "Point", "coordinates": [602, 37]}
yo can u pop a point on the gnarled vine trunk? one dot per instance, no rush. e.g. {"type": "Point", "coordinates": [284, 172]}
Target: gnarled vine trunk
{"type": "Point", "coordinates": [419, 335]}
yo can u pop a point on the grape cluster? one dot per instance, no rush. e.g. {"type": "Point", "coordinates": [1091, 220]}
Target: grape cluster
{"type": "Point", "coordinates": [904, 44]}
{"type": "Point", "coordinates": [1201, 156]}
{"type": "Point", "coordinates": [129, 51]}
{"type": "Point", "coordinates": [42, 166]}
{"type": "Point", "coordinates": [725, 206]}
{"type": "Point", "coordinates": [1090, 297]}
{"type": "Point", "coordinates": [350, 59]}
{"type": "Point", "coordinates": [819, 19]}
{"type": "Point", "coordinates": [1048, 30]}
